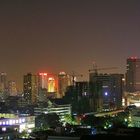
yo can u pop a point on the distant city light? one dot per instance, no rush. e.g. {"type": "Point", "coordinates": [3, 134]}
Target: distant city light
{"type": "Point", "coordinates": [7, 122]}
{"type": "Point", "coordinates": [62, 73]}
{"type": "Point", "coordinates": [106, 93]}
{"type": "Point", "coordinates": [43, 74]}
{"type": "Point", "coordinates": [133, 57]}
{"type": "Point", "coordinates": [10, 122]}
{"type": "Point", "coordinates": [123, 79]}
{"type": "Point", "coordinates": [4, 129]}
{"type": "Point", "coordinates": [23, 120]}
{"type": "Point", "coordinates": [50, 78]}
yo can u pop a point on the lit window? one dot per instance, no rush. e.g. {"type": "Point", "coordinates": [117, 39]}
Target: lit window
{"type": "Point", "coordinates": [4, 129]}
{"type": "Point", "coordinates": [106, 93]}
{"type": "Point", "coordinates": [13, 121]}
{"type": "Point", "coordinates": [10, 122]}
{"type": "Point", "coordinates": [7, 122]}
{"type": "Point", "coordinates": [19, 120]}
{"type": "Point", "coordinates": [23, 120]}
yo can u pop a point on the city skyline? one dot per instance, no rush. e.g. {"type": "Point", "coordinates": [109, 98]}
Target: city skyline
{"type": "Point", "coordinates": [53, 36]}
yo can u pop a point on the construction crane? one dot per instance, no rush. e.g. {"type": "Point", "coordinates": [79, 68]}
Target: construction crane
{"type": "Point", "coordinates": [95, 69]}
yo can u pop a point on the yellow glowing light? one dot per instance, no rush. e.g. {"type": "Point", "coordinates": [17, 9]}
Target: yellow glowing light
{"type": "Point", "coordinates": [51, 84]}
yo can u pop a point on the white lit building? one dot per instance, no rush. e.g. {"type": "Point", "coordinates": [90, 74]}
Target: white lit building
{"type": "Point", "coordinates": [18, 123]}
{"type": "Point", "coordinates": [60, 110]}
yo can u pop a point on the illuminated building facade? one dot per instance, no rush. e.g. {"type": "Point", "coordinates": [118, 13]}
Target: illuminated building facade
{"type": "Point", "coordinates": [106, 91]}
{"type": "Point", "coordinates": [60, 110]}
{"type": "Point", "coordinates": [30, 88]}
{"type": "Point", "coordinates": [51, 85]}
{"type": "Point", "coordinates": [133, 74]}
{"type": "Point", "coordinates": [42, 86]}
{"type": "Point", "coordinates": [18, 123]}
{"type": "Point", "coordinates": [42, 80]}
{"type": "Point", "coordinates": [64, 81]}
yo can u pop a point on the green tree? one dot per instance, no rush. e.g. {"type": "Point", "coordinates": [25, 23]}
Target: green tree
{"type": "Point", "coordinates": [45, 121]}
{"type": "Point", "coordinates": [70, 119]}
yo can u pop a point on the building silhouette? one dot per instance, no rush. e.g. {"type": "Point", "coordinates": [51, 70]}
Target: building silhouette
{"type": "Point", "coordinates": [105, 91]}
{"type": "Point", "coordinates": [133, 74]}
{"type": "Point", "coordinates": [64, 81]}
{"type": "Point", "coordinates": [12, 88]}
{"type": "Point", "coordinates": [3, 86]}
{"type": "Point", "coordinates": [42, 86]}
{"type": "Point", "coordinates": [42, 80]}
{"type": "Point", "coordinates": [30, 88]}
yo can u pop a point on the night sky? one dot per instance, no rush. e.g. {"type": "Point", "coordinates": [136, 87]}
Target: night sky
{"type": "Point", "coordinates": [67, 35]}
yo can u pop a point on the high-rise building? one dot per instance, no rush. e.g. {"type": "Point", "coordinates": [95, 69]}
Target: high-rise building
{"type": "Point", "coordinates": [82, 89]}
{"type": "Point", "coordinates": [12, 89]}
{"type": "Point", "coordinates": [106, 91]}
{"type": "Point", "coordinates": [82, 93]}
{"type": "Point", "coordinates": [133, 74]}
{"type": "Point", "coordinates": [64, 81]}
{"type": "Point", "coordinates": [42, 80]}
{"type": "Point", "coordinates": [42, 86]}
{"type": "Point", "coordinates": [51, 85]}
{"type": "Point", "coordinates": [3, 86]}
{"type": "Point", "coordinates": [30, 88]}
{"type": "Point", "coordinates": [78, 96]}
{"type": "Point", "coordinates": [3, 81]}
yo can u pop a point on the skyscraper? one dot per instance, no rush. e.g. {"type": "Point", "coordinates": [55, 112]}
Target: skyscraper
{"type": "Point", "coordinates": [133, 74]}
{"type": "Point", "coordinates": [42, 80]}
{"type": "Point", "coordinates": [51, 85]}
{"type": "Point", "coordinates": [64, 81]}
{"type": "Point", "coordinates": [3, 81]}
{"type": "Point", "coordinates": [3, 86]}
{"type": "Point", "coordinates": [12, 89]}
{"type": "Point", "coordinates": [42, 86]}
{"type": "Point", "coordinates": [30, 88]}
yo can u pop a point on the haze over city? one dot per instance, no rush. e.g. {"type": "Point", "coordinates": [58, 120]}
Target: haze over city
{"type": "Point", "coordinates": [67, 35]}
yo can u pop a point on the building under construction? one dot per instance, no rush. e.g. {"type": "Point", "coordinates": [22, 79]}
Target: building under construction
{"type": "Point", "coordinates": [105, 91]}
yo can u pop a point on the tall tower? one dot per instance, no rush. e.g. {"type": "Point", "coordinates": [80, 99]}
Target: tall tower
{"type": "Point", "coordinates": [30, 88]}
{"type": "Point", "coordinates": [42, 86]}
{"type": "Point", "coordinates": [3, 86]}
{"type": "Point", "coordinates": [51, 85]}
{"type": "Point", "coordinates": [133, 74]}
{"type": "Point", "coordinates": [42, 80]}
{"type": "Point", "coordinates": [64, 81]}
{"type": "Point", "coordinates": [3, 81]}
{"type": "Point", "coordinates": [12, 89]}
